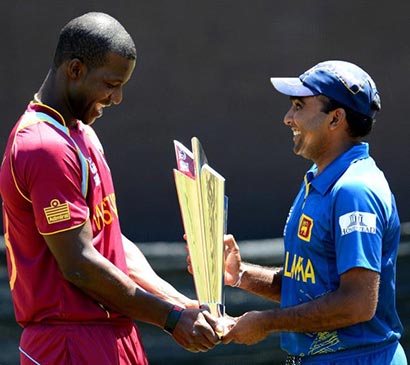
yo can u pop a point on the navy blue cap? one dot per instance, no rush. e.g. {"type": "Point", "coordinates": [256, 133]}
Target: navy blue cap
{"type": "Point", "coordinates": [339, 80]}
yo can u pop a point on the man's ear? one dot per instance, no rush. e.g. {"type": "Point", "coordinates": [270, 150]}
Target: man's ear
{"type": "Point", "coordinates": [339, 115]}
{"type": "Point", "coordinates": [75, 69]}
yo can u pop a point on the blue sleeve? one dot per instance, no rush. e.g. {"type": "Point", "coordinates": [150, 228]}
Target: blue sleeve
{"type": "Point", "coordinates": [359, 218]}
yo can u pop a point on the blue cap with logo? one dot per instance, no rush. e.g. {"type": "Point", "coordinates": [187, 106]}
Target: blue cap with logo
{"type": "Point", "coordinates": [339, 80]}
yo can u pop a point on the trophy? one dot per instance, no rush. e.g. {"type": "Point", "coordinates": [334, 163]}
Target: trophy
{"type": "Point", "coordinates": [203, 204]}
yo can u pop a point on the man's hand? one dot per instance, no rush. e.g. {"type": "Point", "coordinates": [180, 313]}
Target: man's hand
{"type": "Point", "coordinates": [195, 331]}
{"type": "Point", "coordinates": [232, 260]}
{"type": "Point", "coordinates": [248, 330]}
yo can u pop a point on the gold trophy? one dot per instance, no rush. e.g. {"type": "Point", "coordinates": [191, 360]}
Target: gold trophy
{"type": "Point", "coordinates": [203, 204]}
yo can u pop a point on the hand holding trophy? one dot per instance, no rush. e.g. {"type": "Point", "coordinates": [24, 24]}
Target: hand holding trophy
{"type": "Point", "coordinates": [203, 204]}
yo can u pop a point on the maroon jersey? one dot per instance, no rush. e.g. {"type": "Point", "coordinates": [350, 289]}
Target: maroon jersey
{"type": "Point", "coordinates": [53, 179]}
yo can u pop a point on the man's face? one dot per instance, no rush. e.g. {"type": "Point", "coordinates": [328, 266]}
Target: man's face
{"type": "Point", "coordinates": [98, 88]}
{"type": "Point", "coordinates": [310, 127]}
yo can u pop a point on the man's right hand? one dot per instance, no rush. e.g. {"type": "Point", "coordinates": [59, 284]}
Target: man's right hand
{"type": "Point", "coordinates": [195, 330]}
{"type": "Point", "coordinates": [233, 261]}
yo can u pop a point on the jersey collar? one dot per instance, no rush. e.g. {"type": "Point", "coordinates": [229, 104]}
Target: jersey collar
{"type": "Point", "coordinates": [336, 168]}
{"type": "Point", "coordinates": [43, 108]}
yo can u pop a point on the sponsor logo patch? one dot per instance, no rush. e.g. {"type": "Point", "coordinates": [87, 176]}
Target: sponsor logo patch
{"type": "Point", "coordinates": [57, 212]}
{"type": "Point", "coordinates": [357, 222]}
{"type": "Point", "coordinates": [305, 228]}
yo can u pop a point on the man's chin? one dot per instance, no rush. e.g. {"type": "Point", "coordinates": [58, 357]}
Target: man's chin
{"type": "Point", "coordinates": [90, 120]}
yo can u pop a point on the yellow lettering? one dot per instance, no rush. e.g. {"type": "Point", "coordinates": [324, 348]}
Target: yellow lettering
{"type": "Point", "coordinates": [98, 215]}
{"type": "Point", "coordinates": [103, 212]}
{"type": "Point", "coordinates": [112, 203]}
{"type": "Point", "coordinates": [294, 265]}
{"type": "Point", "coordinates": [285, 270]}
{"type": "Point", "coordinates": [298, 270]}
{"type": "Point", "coordinates": [107, 213]}
{"type": "Point", "coordinates": [310, 272]}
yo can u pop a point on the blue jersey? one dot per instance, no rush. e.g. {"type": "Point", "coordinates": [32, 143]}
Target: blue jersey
{"type": "Point", "coordinates": [343, 218]}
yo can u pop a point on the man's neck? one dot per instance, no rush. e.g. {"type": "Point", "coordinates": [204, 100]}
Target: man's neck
{"type": "Point", "coordinates": [52, 95]}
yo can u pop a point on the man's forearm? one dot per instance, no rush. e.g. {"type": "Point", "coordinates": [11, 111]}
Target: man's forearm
{"type": "Point", "coordinates": [263, 281]}
{"type": "Point", "coordinates": [354, 301]}
{"type": "Point", "coordinates": [141, 272]}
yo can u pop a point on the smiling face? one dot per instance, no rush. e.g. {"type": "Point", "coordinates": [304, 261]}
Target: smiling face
{"type": "Point", "coordinates": [92, 89]}
{"type": "Point", "coordinates": [311, 128]}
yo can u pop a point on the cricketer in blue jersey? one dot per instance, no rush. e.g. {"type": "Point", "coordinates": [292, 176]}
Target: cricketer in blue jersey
{"type": "Point", "coordinates": [337, 285]}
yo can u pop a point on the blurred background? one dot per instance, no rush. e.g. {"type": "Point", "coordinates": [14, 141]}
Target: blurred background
{"type": "Point", "coordinates": [203, 70]}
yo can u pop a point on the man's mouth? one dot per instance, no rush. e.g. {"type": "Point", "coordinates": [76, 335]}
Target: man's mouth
{"type": "Point", "coordinates": [100, 110]}
{"type": "Point", "coordinates": [296, 134]}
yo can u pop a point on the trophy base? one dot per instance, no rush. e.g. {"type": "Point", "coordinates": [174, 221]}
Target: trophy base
{"type": "Point", "coordinates": [224, 325]}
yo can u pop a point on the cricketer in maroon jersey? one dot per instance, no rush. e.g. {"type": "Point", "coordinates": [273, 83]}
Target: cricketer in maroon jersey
{"type": "Point", "coordinates": [77, 283]}
{"type": "Point", "coordinates": [46, 198]}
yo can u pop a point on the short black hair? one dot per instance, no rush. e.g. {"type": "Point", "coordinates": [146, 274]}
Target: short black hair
{"type": "Point", "coordinates": [360, 125]}
{"type": "Point", "coordinates": [90, 38]}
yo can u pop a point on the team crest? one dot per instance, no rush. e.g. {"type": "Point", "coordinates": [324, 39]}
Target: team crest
{"type": "Point", "coordinates": [305, 228]}
{"type": "Point", "coordinates": [57, 212]}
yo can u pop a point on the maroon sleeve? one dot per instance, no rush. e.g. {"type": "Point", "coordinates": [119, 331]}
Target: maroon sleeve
{"type": "Point", "coordinates": [48, 173]}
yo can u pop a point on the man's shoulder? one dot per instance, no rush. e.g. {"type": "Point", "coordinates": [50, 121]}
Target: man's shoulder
{"type": "Point", "coordinates": [38, 137]}
{"type": "Point", "coordinates": [363, 180]}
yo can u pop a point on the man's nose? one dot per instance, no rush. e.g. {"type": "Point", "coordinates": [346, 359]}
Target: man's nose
{"type": "Point", "coordinates": [288, 118]}
{"type": "Point", "coordinates": [116, 96]}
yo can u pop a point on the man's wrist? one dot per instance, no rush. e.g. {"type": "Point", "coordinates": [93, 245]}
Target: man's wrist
{"type": "Point", "coordinates": [173, 318]}
{"type": "Point", "coordinates": [240, 275]}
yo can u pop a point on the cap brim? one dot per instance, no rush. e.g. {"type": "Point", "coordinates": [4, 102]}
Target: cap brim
{"type": "Point", "coordinates": [291, 86]}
